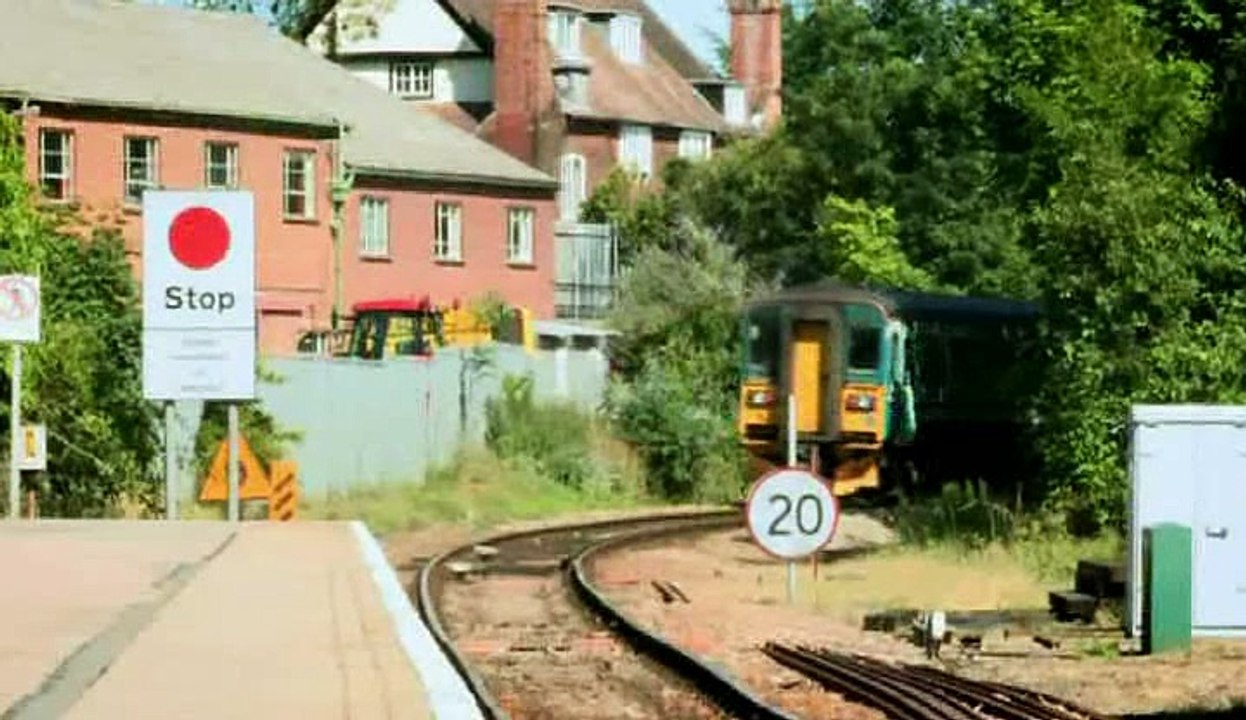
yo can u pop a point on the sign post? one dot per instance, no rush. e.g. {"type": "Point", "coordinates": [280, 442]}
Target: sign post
{"type": "Point", "coordinates": [791, 514]}
{"type": "Point", "coordinates": [19, 323]}
{"type": "Point", "coordinates": [198, 308]}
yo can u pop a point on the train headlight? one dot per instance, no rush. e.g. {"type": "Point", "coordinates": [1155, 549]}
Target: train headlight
{"type": "Point", "coordinates": [859, 402]}
{"type": "Point", "coordinates": [760, 398]}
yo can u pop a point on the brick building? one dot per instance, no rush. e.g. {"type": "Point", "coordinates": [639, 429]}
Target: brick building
{"type": "Point", "coordinates": [575, 88]}
{"type": "Point", "coordinates": [356, 197]}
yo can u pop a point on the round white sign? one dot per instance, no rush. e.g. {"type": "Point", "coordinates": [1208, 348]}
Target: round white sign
{"type": "Point", "coordinates": [792, 513]}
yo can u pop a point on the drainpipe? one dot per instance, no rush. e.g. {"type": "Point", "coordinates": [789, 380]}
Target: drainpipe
{"type": "Point", "coordinates": [343, 181]}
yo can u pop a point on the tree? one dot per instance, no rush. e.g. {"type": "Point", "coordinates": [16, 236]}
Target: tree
{"type": "Point", "coordinates": [83, 379]}
{"type": "Point", "coordinates": [678, 322]}
{"type": "Point", "coordinates": [300, 20]}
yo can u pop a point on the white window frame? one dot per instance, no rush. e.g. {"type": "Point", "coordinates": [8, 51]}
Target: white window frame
{"type": "Point", "coordinates": [572, 186]}
{"type": "Point", "coordinates": [564, 33]}
{"type": "Point", "coordinates": [412, 79]}
{"type": "Point", "coordinates": [448, 232]}
{"type": "Point", "coordinates": [695, 144]}
{"type": "Point", "coordinates": [626, 39]}
{"type": "Point", "coordinates": [373, 226]}
{"type": "Point", "coordinates": [520, 235]}
{"type": "Point", "coordinates": [307, 159]}
{"type": "Point", "coordinates": [65, 177]}
{"type": "Point", "coordinates": [230, 165]}
{"type": "Point", "coordinates": [636, 148]}
{"type": "Point", "coordinates": [149, 179]}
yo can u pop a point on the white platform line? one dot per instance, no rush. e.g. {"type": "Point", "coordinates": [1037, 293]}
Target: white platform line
{"type": "Point", "coordinates": [448, 694]}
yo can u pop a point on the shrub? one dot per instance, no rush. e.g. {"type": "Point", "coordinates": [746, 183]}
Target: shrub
{"type": "Point", "coordinates": [554, 437]}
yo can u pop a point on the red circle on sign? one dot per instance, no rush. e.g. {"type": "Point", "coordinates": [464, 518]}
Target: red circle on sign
{"type": "Point", "coordinates": [199, 238]}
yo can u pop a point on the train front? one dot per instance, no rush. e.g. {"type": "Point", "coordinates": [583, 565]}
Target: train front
{"type": "Point", "coordinates": [834, 359]}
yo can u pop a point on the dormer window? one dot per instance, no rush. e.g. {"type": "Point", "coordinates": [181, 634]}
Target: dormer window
{"type": "Point", "coordinates": [625, 38]}
{"type": "Point", "coordinates": [564, 33]}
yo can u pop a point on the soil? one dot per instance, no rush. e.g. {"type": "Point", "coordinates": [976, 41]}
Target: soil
{"type": "Point", "coordinates": [540, 655]}
{"type": "Point", "coordinates": [738, 601]}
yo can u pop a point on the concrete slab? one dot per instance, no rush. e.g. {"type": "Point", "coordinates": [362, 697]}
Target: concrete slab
{"type": "Point", "coordinates": [65, 582]}
{"type": "Point", "coordinates": [300, 620]}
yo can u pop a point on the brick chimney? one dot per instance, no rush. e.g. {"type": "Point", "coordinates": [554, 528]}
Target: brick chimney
{"type": "Point", "coordinates": [520, 73]}
{"type": "Point", "coordinates": [757, 55]}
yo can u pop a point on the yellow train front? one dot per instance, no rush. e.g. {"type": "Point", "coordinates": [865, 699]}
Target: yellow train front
{"type": "Point", "coordinates": [863, 367]}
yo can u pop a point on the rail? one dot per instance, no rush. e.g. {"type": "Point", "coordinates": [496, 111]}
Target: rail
{"type": "Point", "coordinates": [712, 684]}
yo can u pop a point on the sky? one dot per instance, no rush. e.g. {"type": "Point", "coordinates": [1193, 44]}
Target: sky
{"type": "Point", "coordinates": [696, 21]}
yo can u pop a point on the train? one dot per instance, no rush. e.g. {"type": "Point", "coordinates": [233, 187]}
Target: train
{"type": "Point", "coordinates": [888, 388]}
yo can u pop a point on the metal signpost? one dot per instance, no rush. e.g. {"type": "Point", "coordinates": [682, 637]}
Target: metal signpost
{"type": "Point", "coordinates": [791, 512]}
{"type": "Point", "coordinates": [199, 309]}
{"type": "Point", "coordinates": [19, 323]}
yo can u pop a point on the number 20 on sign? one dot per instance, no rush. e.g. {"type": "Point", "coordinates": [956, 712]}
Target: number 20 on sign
{"type": "Point", "coordinates": [792, 513]}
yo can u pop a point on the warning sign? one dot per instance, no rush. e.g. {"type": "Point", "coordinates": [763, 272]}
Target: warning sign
{"type": "Point", "coordinates": [19, 308]}
{"type": "Point", "coordinates": [253, 482]}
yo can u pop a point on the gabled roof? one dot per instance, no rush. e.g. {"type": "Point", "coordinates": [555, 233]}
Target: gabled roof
{"type": "Point", "coordinates": [656, 92]}
{"type": "Point", "coordinates": [478, 16]}
{"type": "Point", "coordinates": [651, 93]}
{"type": "Point", "coordinates": [146, 57]}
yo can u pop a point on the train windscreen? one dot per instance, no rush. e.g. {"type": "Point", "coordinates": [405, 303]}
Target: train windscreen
{"type": "Point", "coordinates": [762, 343]}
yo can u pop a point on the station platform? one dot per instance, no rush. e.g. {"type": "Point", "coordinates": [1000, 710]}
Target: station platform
{"type": "Point", "coordinates": [103, 620]}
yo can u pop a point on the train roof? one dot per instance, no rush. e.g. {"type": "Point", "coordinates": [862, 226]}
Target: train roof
{"type": "Point", "coordinates": [905, 303]}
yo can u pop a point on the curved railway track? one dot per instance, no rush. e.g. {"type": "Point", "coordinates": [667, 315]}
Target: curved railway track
{"type": "Point", "coordinates": [523, 664]}
{"type": "Point", "coordinates": [554, 639]}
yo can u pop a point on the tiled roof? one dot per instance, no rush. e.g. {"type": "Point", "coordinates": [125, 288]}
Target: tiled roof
{"type": "Point", "coordinates": [107, 53]}
{"type": "Point", "coordinates": [479, 13]}
{"type": "Point", "coordinates": [651, 92]}
{"type": "Point", "coordinates": [655, 92]}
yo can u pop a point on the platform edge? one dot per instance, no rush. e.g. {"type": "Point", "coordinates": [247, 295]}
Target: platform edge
{"type": "Point", "coordinates": [448, 694]}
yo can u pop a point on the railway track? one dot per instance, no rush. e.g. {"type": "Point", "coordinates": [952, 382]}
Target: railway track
{"type": "Point", "coordinates": [544, 645]}
{"type": "Point", "coordinates": [550, 658]}
{"type": "Point", "coordinates": [921, 693]}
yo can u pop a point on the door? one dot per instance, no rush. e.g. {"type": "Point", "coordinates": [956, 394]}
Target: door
{"type": "Point", "coordinates": [809, 373]}
{"type": "Point", "coordinates": [1219, 528]}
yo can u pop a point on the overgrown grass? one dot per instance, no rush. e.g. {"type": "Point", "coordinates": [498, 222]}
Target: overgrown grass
{"type": "Point", "coordinates": [965, 521]}
{"type": "Point", "coordinates": [477, 489]}
{"type": "Point", "coordinates": [542, 460]}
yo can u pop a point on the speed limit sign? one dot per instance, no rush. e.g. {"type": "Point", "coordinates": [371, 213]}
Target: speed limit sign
{"type": "Point", "coordinates": [792, 513]}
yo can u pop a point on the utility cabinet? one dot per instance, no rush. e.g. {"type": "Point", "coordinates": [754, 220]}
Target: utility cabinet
{"type": "Point", "coordinates": [1188, 467]}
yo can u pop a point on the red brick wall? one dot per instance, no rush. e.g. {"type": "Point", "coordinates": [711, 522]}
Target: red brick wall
{"type": "Point", "coordinates": [600, 151]}
{"type": "Point", "coordinates": [522, 85]}
{"type": "Point", "coordinates": [411, 269]}
{"type": "Point", "coordinates": [293, 258]}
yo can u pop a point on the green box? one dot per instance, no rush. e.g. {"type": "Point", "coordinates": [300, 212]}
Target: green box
{"type": "Point", "coordinates": [1168, 598]}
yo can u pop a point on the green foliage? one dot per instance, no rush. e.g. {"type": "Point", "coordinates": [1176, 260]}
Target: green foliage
{"type": "Point", "coordinates": [860, 243]}
{"type": "Point", "coordinates": [677, 315]}
{"type": "Point", "coordinates": [644, 216]}
{"type": "Point", "coordinates": [554, 438]}
{"type": "Point", "coordinates": [680, 304]}
{"type": "Point", "coordinates": [1142, 252]}
{"type": "Point", "coordinates": [83, 379]}
{"type": "Point", "coordinates": [964, 516]}
{"type": "Point", "coordinates": [476, 488]}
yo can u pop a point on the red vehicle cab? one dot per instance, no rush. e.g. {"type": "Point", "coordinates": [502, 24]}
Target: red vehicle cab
{"type": "Point", "coordinates": [395, 328]}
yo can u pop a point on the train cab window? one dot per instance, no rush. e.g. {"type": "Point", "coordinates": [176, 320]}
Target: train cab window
{"type": "Point", "coordinates": [865, 348]}
{"type": "Point", "coordinates": [762, 343]}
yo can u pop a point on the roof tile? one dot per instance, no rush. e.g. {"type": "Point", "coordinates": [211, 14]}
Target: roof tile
{"type": "Point", "coordinates": [97, 52]}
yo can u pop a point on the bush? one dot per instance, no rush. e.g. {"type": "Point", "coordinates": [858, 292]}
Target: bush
{"type": "Point", "coordinates": [960, 515]}
{"type": "Point", "coordinates": [556, 439]}
{"type": "Point", "coordinates": [683, 432]}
